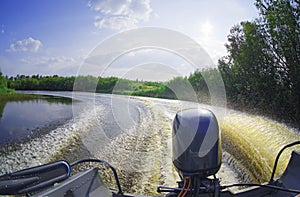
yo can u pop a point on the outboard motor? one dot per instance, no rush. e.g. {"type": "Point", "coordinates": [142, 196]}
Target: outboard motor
{"type": "Point", "coordinates": [197, 147]}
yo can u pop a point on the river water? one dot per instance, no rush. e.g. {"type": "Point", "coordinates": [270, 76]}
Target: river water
{"type": "Point", "coordinates": [134, 135]}
{"type": "Point", "coordinates": [25, 119]}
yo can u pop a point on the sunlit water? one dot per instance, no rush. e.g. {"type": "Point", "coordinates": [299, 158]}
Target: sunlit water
{"type": "Point", "coordinates": [255, 142]}
{"type": "Point", "coordinates": [134, 135]}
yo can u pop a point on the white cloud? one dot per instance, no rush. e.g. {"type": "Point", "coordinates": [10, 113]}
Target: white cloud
{"type": "Point", "coordinates": [26, 45]}
{"type": "Point", "coordinates": [121, 14]}
{"type": "Point", "coordinates": [115, 23]}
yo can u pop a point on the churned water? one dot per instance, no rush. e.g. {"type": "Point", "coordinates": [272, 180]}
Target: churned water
{"type": "Point", "coordinates": [134, 134]}
{"type": "Point", "coordinates": [255, 142]}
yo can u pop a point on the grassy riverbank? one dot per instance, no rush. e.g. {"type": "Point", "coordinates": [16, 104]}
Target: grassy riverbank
{"type": "Point", "coordinates": [11, 95]}
{"type": "Point", "coordinates": [7, 95]}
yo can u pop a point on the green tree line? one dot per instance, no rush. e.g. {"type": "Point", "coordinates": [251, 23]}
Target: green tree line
{"type": "Point", "coordinates": [262, 68]}
{"type": "Point", "coordinates": [195, 82]}
{"type": "Point", "coordinates": [37, 82]}
{"type": "Point", "coordinates": [3, 83]}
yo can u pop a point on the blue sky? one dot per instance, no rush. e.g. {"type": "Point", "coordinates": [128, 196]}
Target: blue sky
{"type": "Point", "coordinates": [55, 36]}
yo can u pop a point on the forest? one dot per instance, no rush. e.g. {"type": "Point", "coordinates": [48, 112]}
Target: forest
{"type": "Point", "coordinates": [3, 83]}
{"type": "Point", "coordinates": [261, 70]}
{"type": "Point", "coordinates": [115, 85]}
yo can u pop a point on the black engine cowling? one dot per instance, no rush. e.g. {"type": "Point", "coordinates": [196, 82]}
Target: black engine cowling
{"type": "Point", "coordinates": [196, 142]}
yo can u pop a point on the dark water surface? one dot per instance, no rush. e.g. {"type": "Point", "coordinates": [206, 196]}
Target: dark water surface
{"type": "Point", "coordinates": [22, 120]}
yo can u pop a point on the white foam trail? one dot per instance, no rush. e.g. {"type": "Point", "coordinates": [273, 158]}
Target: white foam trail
{"type": "Point", "coordinates": [142, 153]}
